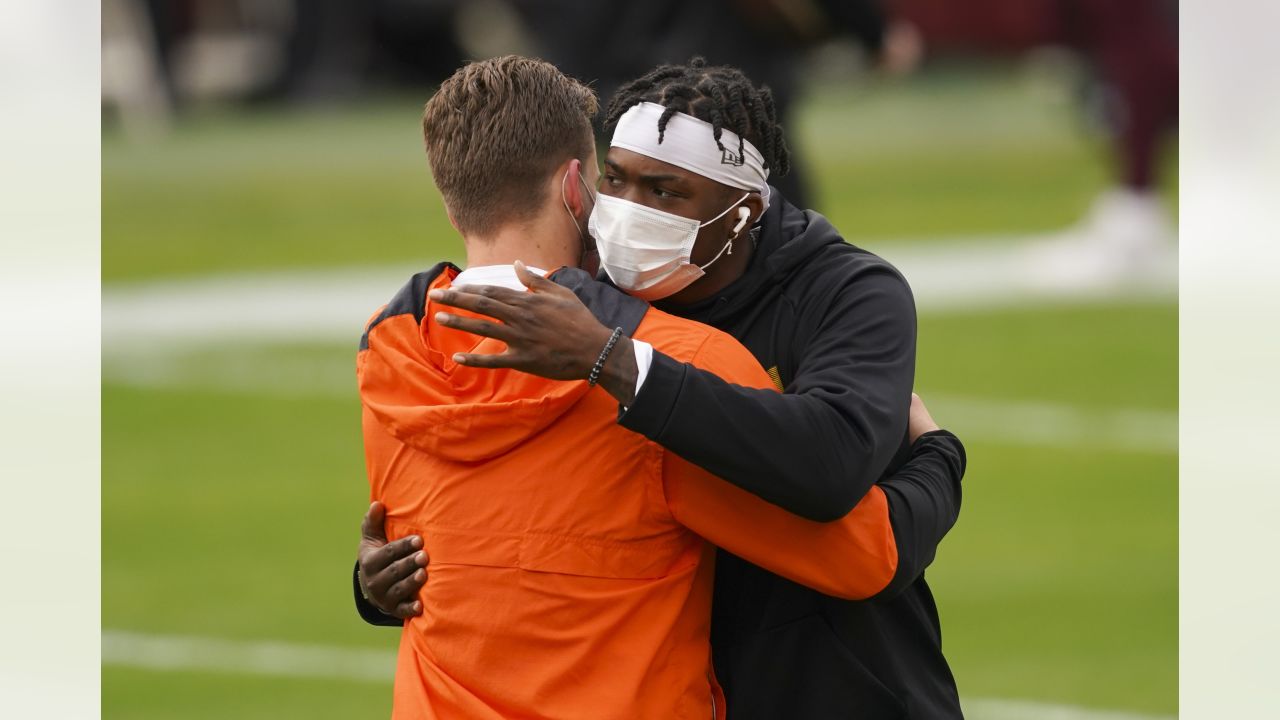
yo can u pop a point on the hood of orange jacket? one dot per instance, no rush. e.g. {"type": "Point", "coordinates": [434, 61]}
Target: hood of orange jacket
{"type": "Point", "coordinates": [410, 383]}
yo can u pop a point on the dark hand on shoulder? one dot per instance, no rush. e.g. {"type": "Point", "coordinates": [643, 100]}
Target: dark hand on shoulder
{"type": "Point", "coordinates": [548, 332]}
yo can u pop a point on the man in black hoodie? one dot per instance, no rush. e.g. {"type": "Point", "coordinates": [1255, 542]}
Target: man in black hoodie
{"type": "Point", "coordinates": [834, 325]}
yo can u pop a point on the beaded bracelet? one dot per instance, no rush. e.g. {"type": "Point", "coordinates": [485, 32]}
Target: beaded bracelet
{"type": "Point", "coordinates": [594, 377]}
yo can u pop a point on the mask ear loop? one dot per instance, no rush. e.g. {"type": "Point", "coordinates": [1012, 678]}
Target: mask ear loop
{"type": "Point", "coordinates": [565, 200]}
{"type": "Point", "coordinates": [728, 246]}
{"type": "Point", "coordinates": [585, 237]}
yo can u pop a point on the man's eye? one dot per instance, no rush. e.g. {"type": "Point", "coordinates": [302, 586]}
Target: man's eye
{"type": "Point", "coordinates": [612, 180]}
{"type": "Point", "coordinates": [663, 193]}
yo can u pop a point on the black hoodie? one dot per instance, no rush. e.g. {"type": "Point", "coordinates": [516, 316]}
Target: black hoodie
{"type": "Point", "coordinates": [836, 327]}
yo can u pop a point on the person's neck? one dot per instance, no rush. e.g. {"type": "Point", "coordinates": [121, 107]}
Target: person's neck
{"type": "Point", "coordinates": [536, 244]}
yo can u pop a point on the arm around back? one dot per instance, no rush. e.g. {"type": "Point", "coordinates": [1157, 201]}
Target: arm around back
{"type": "Point", "coordinates": [854, 557]}
{"type": "Point", "coordinates": [816, 449]}
{"type": "Point", "coordinates": [924, 503]}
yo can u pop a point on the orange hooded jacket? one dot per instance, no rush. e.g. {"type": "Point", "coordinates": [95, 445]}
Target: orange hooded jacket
{"type": "Point", "coordinates": [569, 574]}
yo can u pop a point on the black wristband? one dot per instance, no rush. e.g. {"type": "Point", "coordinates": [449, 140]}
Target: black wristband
{"type": "Point", "coordinates": [594, 377]}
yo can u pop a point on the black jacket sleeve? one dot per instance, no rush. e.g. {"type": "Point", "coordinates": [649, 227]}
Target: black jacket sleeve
{"type": "Point", "coordinates": [816, 449]}
{"type": "Point", "coordinates": [368, 612]}
{"type": "Point", "coordinates": [924, 503]}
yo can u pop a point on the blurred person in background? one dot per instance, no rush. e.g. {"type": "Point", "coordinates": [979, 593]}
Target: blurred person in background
{"type": "Point", "coordinates": [1131, 48]}
{"type": "Point", "coordinates": [177, 53]}
{"type": "Point", "coordinates": [834, 324]}
{"type": "Point", "coordinates": [321, 50]}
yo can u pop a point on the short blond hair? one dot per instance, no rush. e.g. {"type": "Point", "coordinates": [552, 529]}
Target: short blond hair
{"type": "Point", "coordinates": [495, 129]}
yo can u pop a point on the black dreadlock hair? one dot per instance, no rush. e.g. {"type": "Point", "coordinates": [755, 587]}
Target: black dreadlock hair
{"type": "Point", "coordinates": [720, 95]}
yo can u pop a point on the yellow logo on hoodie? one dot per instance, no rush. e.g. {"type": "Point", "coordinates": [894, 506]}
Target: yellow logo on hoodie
{"type": "Point", "coordinates": [775, 377]}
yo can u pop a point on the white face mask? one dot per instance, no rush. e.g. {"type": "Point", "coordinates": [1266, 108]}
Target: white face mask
{"type": "Point", "coordinates": [648, 252]}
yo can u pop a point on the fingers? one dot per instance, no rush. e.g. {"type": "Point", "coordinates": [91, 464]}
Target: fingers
{"type": "Point", "coordinates": [496, 302]}
{"type": "Point", "coordinates": [919, 421]}
{"type": "Point", "coordinates": [404, 611]}
{"type": "Point", "coordinates": [489, 360]}
{"type": "Point", "coordinates": [475, 326]}
{"type": "Point", "coordinates": [374, 560]}
{"type": "Point", "coordinates": [917, 405]}
{"type": "Point", "coordinates": [372, 528]}
{"type": "Point", "coordinates": [532, 280]}
{"type": "Point", "coordinates": [405, 592]}
{"type": "Point", "coordinates": [399, 581]}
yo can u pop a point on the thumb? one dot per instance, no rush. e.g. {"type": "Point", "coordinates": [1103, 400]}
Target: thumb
{"type": "Point", "coordinates": [531, 280]}
{"type": "Point", "coordinates": [374, 525]}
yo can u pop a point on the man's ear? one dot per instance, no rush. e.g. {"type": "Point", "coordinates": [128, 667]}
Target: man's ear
{"type": "Point", "coordinates": [572, 185]}
{"type": "Point", "coordinates": [756, 204]}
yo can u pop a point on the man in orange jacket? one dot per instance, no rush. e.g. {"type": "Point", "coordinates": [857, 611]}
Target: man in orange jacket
{"type": "Point", "coordinates": [571, 577]}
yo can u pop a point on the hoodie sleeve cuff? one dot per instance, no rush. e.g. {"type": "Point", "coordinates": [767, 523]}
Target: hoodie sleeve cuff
{"type": "Point", "coordinates": [649, 412]}
{"type": "Point", "coordinates": [942, 439]}
{"type": "Point", "coordinates": [644, 359]}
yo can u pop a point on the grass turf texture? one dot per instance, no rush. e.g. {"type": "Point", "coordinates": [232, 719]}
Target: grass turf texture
{"type": "Point", "coordinates": [233, 513]}
{"type": "Point", "coordinates": [140, 695]}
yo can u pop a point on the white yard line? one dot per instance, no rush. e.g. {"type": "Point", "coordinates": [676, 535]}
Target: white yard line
{"type": "Point", "coordinates": [186, 652]}
{"type": "Point", "coordinates": [162, 653]}
{"type": "Point", "coordinates": [974, 274]}
{"type": "Point", "coordinates": [1055, 425]}
{"type": "Point", "coordinates": [154, 334]}
{"type": "Point", "coordinates": [321, 305]}
{"type": "Point", "coordinates": [946, 276]}
{"type": "Point", "coordinates": [997, 709]}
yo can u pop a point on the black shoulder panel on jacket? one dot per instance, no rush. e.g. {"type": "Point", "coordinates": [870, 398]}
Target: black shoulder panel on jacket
{"type": "Point", "coordinates": [612, 307]}
{"type": "Point", "coordinates": [411, 298]}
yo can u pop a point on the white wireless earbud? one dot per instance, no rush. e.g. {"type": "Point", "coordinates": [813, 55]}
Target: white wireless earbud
{"type": "Point", "coordinates": [744, 214]}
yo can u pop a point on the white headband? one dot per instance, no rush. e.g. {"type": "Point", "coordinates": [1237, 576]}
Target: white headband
{"type": "Point", "coordinates": [690, 143]}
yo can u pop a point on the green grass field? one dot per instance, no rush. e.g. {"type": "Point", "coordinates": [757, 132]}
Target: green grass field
{"type": "Point", "coordinates": [233, 485]}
